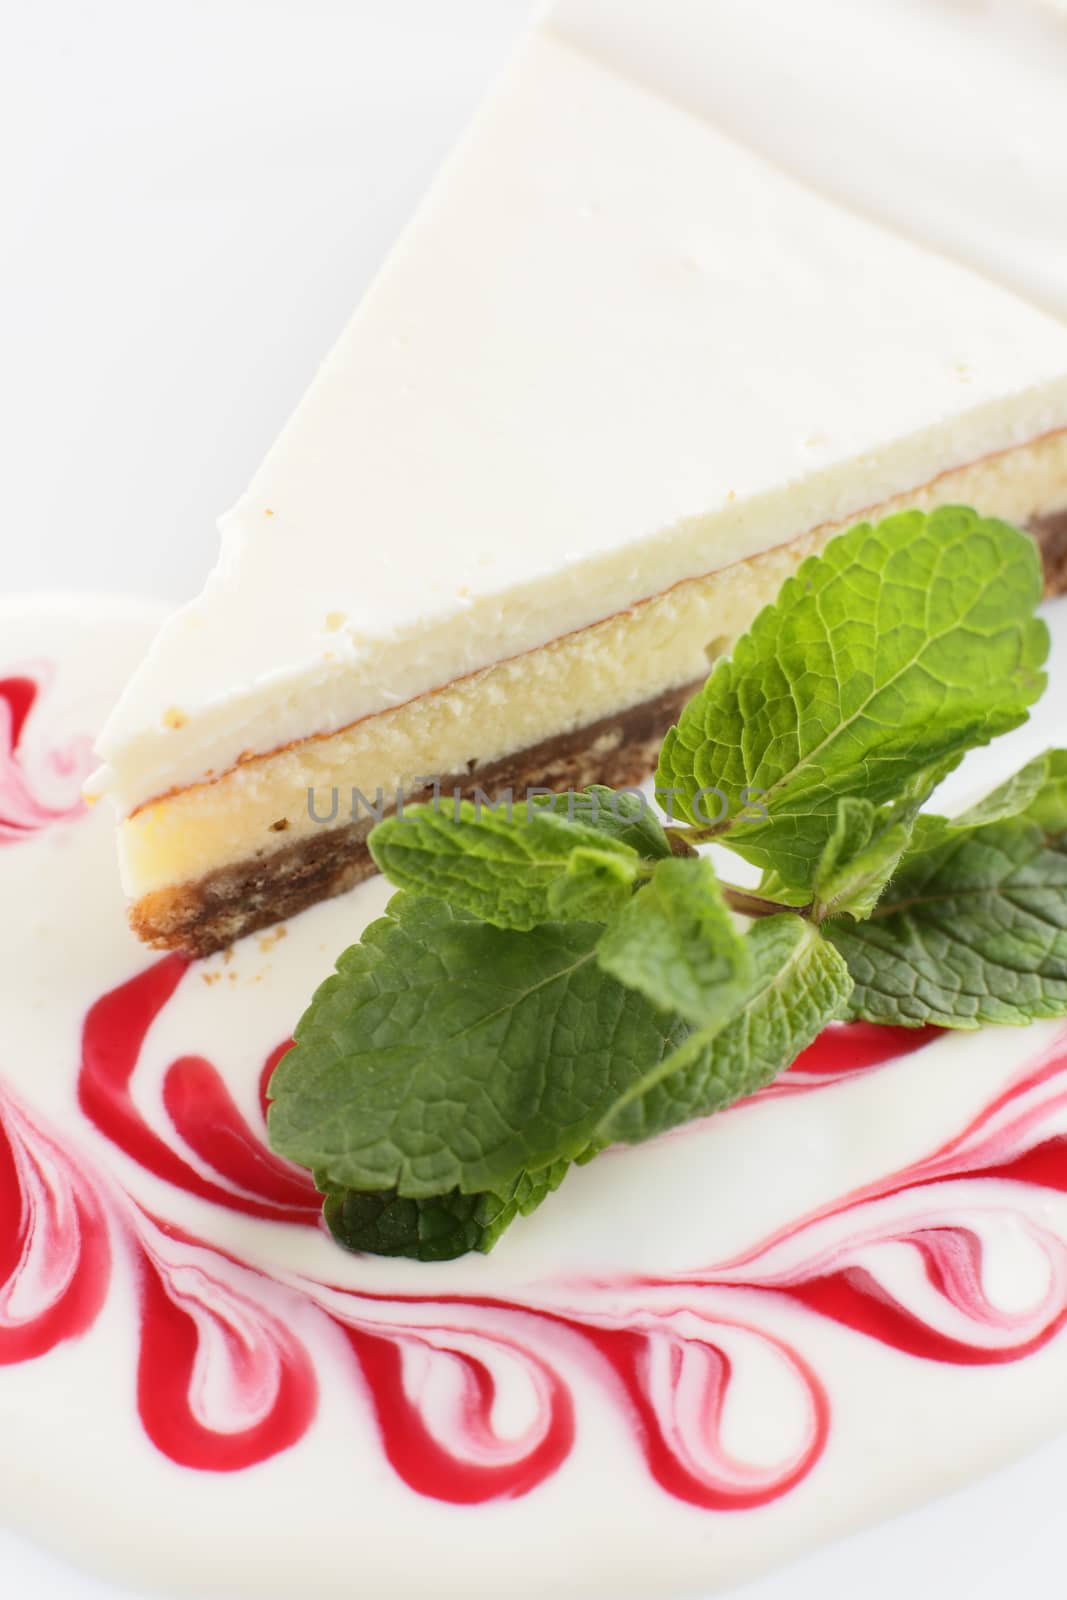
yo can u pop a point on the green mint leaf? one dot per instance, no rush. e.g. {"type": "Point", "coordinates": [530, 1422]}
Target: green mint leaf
{"type": "Point", "coordinates": [445, 1053]}
{"type": "Point", "coordinates": [594, 885]}
{"type": "Point", "coordinates": [677, 942]}
{"type": "Point", "coordinates": [1047, 807]}
{"type": "Point", "coordinates": [619, 813]}
{"type": "Point", "coordinates": [504, 870]}
{"type": "Point", "coordinates": [860, 857]}
{"type": "Point", "coordinates": [1009, 799]}
{"type": "Point", "coordinates": [1037, 791]}
{"type": "Point", "coordinates": [438, 1228]}
{"type": "Point", "coordinates": [798, 984]}
{"type": "Point", "coordinates": [772, 886]}
{"type": "Point", "coordinates": [972, 929]}
{"type": "Point", "coordinates": [883, 660]}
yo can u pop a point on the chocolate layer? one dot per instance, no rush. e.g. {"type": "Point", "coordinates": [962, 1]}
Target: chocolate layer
{"type": "Point", "coordinates": [1051, 535]}
{"type": "Point", "coordinates": [210, 913]}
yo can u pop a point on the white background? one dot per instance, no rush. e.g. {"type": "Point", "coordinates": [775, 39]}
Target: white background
{"type": "Point", "coordinates": [194, 193]}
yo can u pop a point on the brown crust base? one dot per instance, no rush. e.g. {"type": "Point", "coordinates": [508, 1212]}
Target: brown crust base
{"type": "Point", "coordinates": [211, 912]}
{"type": "Point", "coordinates": [1051, 535]}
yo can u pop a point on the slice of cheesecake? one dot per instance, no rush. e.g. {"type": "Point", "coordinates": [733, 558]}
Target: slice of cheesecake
{"type": "Point", "coordinates": [614, 382]}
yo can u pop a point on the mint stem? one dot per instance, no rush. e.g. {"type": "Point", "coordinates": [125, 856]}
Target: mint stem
{"type": "Point", "coordinates": [747, 904]}
{"type": "Point", "coordinates": [683, 842]}
{"type": "Point", "coordinates": [684, 839]}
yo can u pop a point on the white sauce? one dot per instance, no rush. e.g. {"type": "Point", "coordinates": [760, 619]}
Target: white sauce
{"type": "Point", "coordinates": [725, 1217]}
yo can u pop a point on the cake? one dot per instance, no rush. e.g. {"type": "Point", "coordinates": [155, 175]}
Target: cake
{"type": "Point", "coordinates": [617, 378]}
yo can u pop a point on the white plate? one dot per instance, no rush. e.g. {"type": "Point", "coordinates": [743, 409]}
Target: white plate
{"type": "Point", "coordinates": [197, 195]}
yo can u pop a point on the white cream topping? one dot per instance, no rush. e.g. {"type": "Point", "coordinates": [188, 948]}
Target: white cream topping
{"type": "Point", "coordinates": [945, 118]}
{"type": "Point", "coordinates": [612, 351]}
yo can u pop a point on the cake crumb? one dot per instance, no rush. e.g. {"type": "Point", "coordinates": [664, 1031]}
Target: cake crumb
{"type": "Point", "coordinates": [335, 620]}
{"type": "Point", "coordinates": [211, 977]}
{"type": "Point", "coordinates": [174, 717]}
{"type": "Point", "coordinates": [280, 826]}
{"type": "Point", "coordinates": [267, 512]}
{"type": "Point", "coordinates": [270, 939]}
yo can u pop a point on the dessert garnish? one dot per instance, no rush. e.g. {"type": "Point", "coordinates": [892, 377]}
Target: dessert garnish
{"type": "Point", "coordinates": [561, 973]}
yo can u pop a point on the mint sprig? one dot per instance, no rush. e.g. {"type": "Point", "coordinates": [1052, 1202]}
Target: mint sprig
{"type": "Point", "coordinates": [572, 972]}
